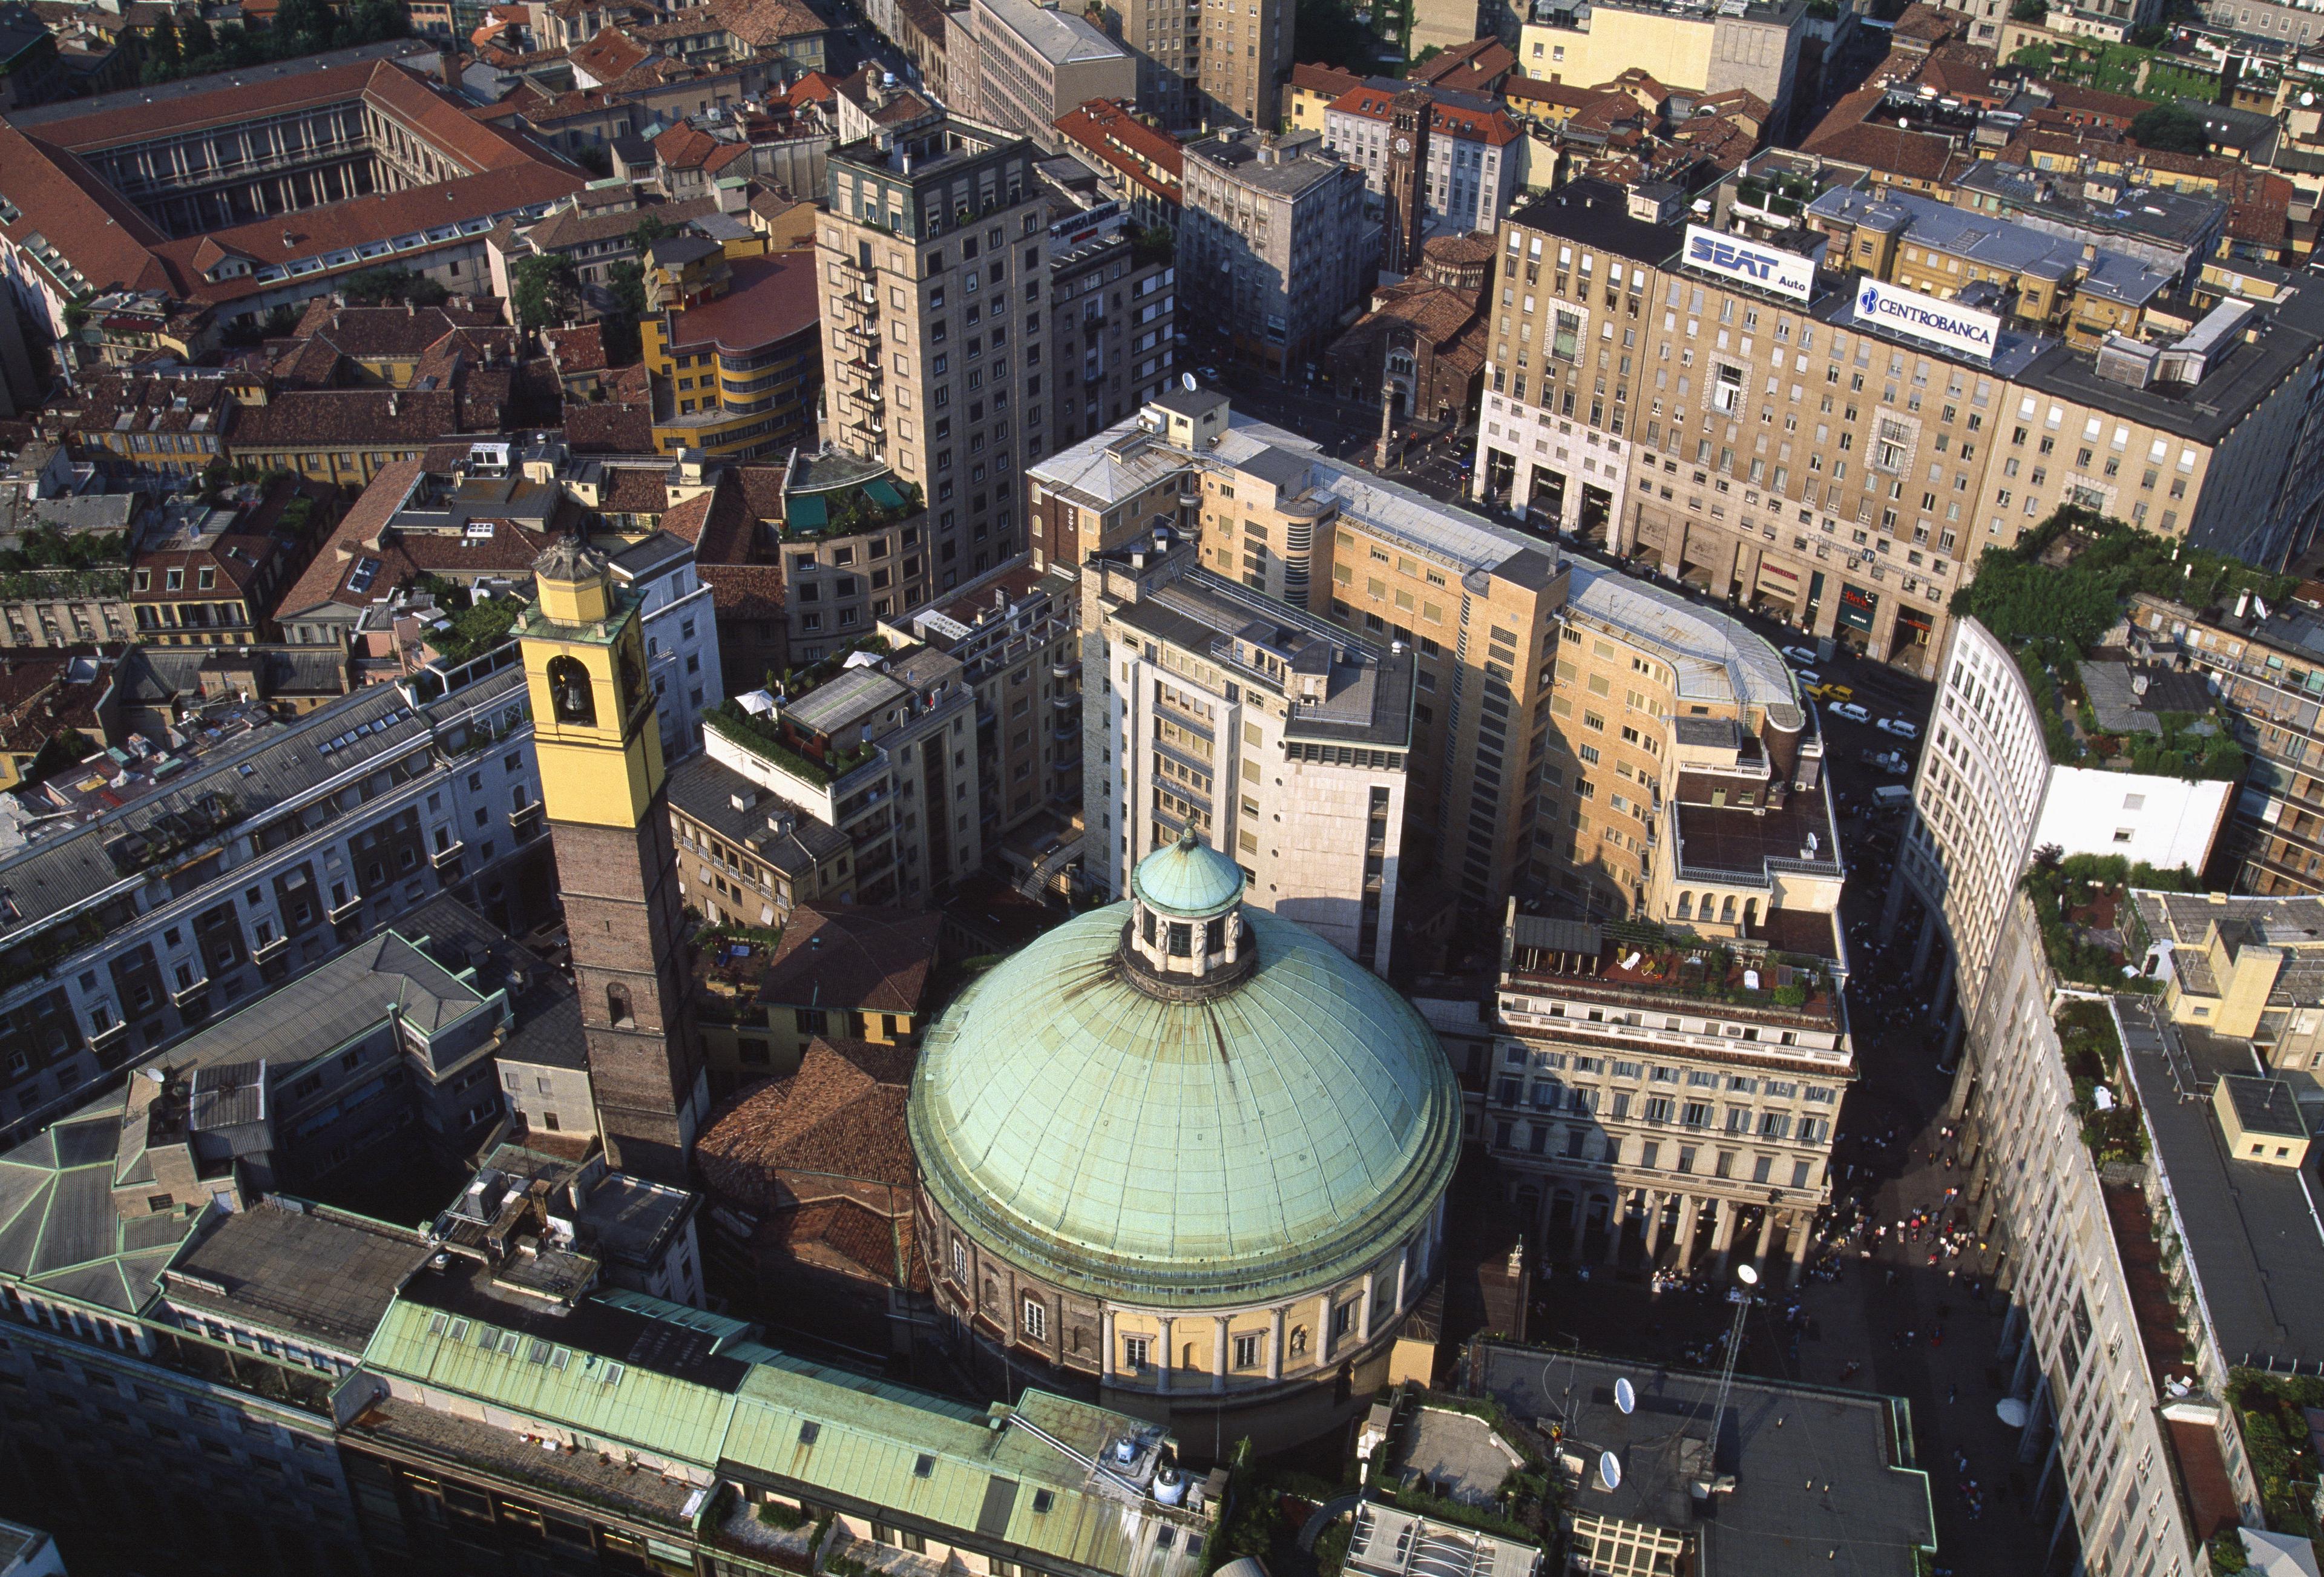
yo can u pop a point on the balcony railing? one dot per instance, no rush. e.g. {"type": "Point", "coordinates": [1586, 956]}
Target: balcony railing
{"type": "Point", "coordinates": [340, 911]}
{"type": "Point", "coordinates": [449, 854]}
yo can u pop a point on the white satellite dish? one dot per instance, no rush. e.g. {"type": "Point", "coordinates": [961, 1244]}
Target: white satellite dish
{"type": "Point", "coordinates": [1609, 1469]}
{"type": "Point", "coordinates": [1625, 1396]}
{"type": "Point", "coordinates": [1188, 380]}
{"type": "Point", "coordinates": [2012, 1412]}
{"type": "Point", "coordinates": [1746, 1275]}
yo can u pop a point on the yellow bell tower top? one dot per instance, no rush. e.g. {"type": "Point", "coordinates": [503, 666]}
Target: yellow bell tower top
{"type": "Point", "coordinates": [592, 710]}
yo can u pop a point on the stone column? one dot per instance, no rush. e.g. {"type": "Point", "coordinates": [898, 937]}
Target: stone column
{"type": "Point", "coordinates": [1616, 1208]}
{"type": "Point", "coordinates": [1163, 1366]}
{"type": "Point", "coordinates": [1722, 1233]}
{"type": "Point", "coordinates": [1767, 1233]}
{"type": "Point", "coordinates": [1581, 1223]}
{"type": "Point", "coordinates": [1219, 1354]}
{"type": "Point", "coordinates": [1364, 1313]}
{"type": "Point", "coordinates": [1802, 1246]}
{"type": "Point", "coordinates": [1689, 1209]}
{"type": "Point", "coordinates": [1403, 1271]}
{"type": "Point", "coordinates": [1322, 1345]}
{"type": "Point", "coordinates": [1111, 1363]}
{"type": "Point", "coordinates": [1927, 941]}
{"type": "Point", "coordinates": [1275, 1343]}
{"type": "Point", "coordinates": [1654, 1223]}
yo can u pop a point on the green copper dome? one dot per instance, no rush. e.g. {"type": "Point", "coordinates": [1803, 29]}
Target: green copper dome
{"type": "Point", "coordinates": [1257, 1141]}
{"type": "Point", "coordinates": [1188, 879]}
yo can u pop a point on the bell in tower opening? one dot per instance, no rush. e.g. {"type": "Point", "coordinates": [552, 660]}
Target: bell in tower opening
{"type": "Point", "coordinates": [568, 682]}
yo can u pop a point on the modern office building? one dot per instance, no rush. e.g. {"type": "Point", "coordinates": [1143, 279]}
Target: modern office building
{"type": "Point", "coordinates": [1273, 243]}
{"type": "Point", "coordinates": [933, 258]}
{"type": "Point", "coordinates": [1035, 63]}
{"type": "Point", "coordinates": [1988, 795]}
{"type": "Point", "coordinates": [1275, 736]}
{"type": "Point", "coordinates": [1244, 1276]}
{"type": "Point", "coordinates": [1633, 388]}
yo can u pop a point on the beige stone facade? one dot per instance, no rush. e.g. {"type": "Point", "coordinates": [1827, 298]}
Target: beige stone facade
{"type": "Point", "coordinates": [933, 258]}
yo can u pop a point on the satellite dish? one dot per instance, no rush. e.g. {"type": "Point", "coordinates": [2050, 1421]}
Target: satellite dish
{"type": "Point", "coordinates": [1188, 380]}
{"type": "Point", "coordinates": [2012, 1412]}
{"type": "Point", "coordinates": [1609, 1469]}
{"type": "Point", "coordinates": [1746, 1275]}
{"type": "Point", "coordinates": [1625, 1396]}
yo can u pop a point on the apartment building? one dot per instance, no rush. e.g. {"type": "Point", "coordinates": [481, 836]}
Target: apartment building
{"type": "Point", "coordinates": [1278, 737]}
{"type": "Point", "coordinates": [733, 354]}
{"type": "Point", "coordinates": [1667, 1096]}
{"type": "Point", "coordinates": [1856, 503]}
{"type": "Point", "coordinates": [1037, 63]}
{"type": "Point", "coordinates": [933, 256]}
{"type": "Point", "coordinates": [212, 576]}
{"type": "Point", "coordinates": [856, 975]}
{"type": "Point", "coordinates": [1012, 633]}
{"type": "Point", "coordinates": [1246, 53]}
{"type": "Point", "coordinates": [885, 754]}
{"type": "Point", "coordinates": [681, 635]}
{"type": "Point", "coordinates": [1274, 244]}
{"type": "Point", "coordinates": [132, 926]}
{"type": "Point", "coordinates": [1473, 152]}
{"type": "Point", "coordinates": [1138, 165]}
{"type": "Point", "coordinates": [2258, 659]}
{"type": "Point", "coordinates": [1756, 46]}
{"type": "Point", "coordinates": [1114, 319]}
{"type": "Point", "coordinates": [1536, 677]}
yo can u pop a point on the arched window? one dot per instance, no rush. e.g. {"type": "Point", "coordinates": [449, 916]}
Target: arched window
{"type": "Point", "coordinates": [618, 1010]}
{"type": "Point", "coordinates": [1686, 906]}
{"type": "Point", "coordinates": [1750, 912]}
{"type": "Point", "coordinates": [1298, 1340]}
{"type": "Point", "coordinates": [1215, 936]}
{"type": "Point", "coordinates": [1186, 1356]}
{"type": "Point", "coordinates": [1727, 909]}
{"type": "Point", "coordinates": [570, 691]}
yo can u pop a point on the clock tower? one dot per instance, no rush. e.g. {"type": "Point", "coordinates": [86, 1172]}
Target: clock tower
{"type": "Point", "coordinates": [1406, 181]}
{"type": "Point", "coordinates": [601, 788]}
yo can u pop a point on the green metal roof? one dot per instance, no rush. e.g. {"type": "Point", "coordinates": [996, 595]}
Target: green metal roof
{"type": "Point", "coordinates": [806, 513]}
{"type": "Point", "coordinates": [59, 1232]}
{"type": "Point", "coordinates": [867, 1445]}
{"type": "Point", "coordinates": [1191, 1154]}
{"type": "Point", "coordinates": [1188, 879]}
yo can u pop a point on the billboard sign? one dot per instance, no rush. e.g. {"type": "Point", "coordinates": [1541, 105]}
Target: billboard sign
{"type": "Point", "coordinates": [1947, 325]}
{"type": "Point", "coordinates": [1749, 262]}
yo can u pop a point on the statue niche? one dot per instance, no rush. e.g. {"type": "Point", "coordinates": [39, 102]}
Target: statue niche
{"type": "Point", "coordinates": [570, 692]}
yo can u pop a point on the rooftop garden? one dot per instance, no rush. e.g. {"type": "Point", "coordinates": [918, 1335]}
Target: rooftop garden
{"type": "Point", "coordinates": [847, 511]}
{"type": "Point", "coordinates": [2052, 597]}
{"type": "Point", "coordinates": [2138, 70]}
{"type": "Point", "coordinates": [1691, 966]}
{"type": "Point", "coordinates": [1779, 192]}
{"type": "Point", "coordinates": [2283, 1457]}
{"type": "Point", "coordinates": [2092, 1053]}
{"type": "Point", "coordinates": [796, 751]}
{"type": "Point", "coordinates": [2090, 930]}
{"type": "Point", "coordinates": [47, 563]}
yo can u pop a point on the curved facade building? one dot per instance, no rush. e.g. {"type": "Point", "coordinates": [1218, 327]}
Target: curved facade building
{"type": "Point", "coordinates": [1184, 1154]}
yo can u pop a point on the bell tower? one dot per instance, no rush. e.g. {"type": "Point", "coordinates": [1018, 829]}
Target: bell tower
{"type": "Point", "coordinates": [601, 788]}
{"type": "Point", "coordinates": [1406, 179]}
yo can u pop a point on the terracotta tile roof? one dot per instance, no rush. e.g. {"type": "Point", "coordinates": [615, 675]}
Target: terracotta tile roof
{"type": "Point", "coordinates": [610, 54]}
{"type": "Point", "coordinates": [1739, 101]}
{"type": "Point", "coordinates": [609, 427]}
{"type": "Point", "coordinates": [389, 333]}
{"type": "Point", "coordinates": [842, 1112]}
{"type": "Point", "coordinates": [1925, 23]}
{"type": "Point", "coordinates": [851, 956]}
{"type": "Point", "coordinates": [1119, 139]}
{"type": "Point", "coordinates": [771, 298]}
{"type": "Point", "coordinates": [1458, 249]}
{"type": "Point", "coordinates": [814, 88]}
{"type": "Point", "coordinates": [1491, 127]}
{"type": "Point", "coordinates": [366, 519]}
{"type": "Point", "coordinates": [348, 419]}
{"type": "Point", "coordinates": [730, 535]}
{"type": "Point", "coordinates": [575, 350]}
{"type": "Point", "coordinates": [1475, 67]}
{"type": "Point", "coordinates": [860, 1240]}
{"type": "Point", "coordinates": [2087, 103]}
{"type": "Point", "coordinates": [765, 24]}
{"type": "Point", "coordinates": [744, 592]}
{"type": "Point", "coordinates": [1524, 93]}
{"type": "Point", "coordinates": [38, 697]}
{"type": "Point", "coordinates": [1321, 78]}
{"type": "Point", "coordinates": [567, 227]}
{"type": "Point", "coordinates": [1914, 156]}
{"type": "Point", "coordinates": [98, 233]}
{"type": "Point", "coordinates": [684, 147]}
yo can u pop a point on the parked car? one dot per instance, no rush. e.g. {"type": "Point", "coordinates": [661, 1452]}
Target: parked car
{"type": "Point", "coordinates": [1847, 709]}
{"type": "Point", "coordinates": [1832, 693]}
{"type": "Point", "coordinates": [1899, 727]}
{"type": "Point", "coordinates": [1810, 681]}
{"type": "Point", "coordinates": [1799, 655]}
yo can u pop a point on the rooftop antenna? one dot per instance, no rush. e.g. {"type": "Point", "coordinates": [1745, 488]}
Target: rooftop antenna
{"type": "Point", "coordinates": [1609, 1469]}
{"type": "Point", "coordinates": [1626, 1397]}
{"type": "Point", "coordinates": [1740, 1296]}
{"type": "Point", "coordinates": [1186, 381]}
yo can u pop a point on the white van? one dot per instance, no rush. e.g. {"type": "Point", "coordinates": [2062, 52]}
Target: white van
{"type": "Point", "coordinates": [1892, 797]}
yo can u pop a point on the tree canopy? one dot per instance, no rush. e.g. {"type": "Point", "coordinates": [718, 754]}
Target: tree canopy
{"type": "Point", "coordinates": [546, 292]}
{"type": "Point", "coordinates": [2168, 129]}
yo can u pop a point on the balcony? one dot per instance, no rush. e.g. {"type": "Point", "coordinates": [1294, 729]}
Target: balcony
{"type": "Point", "coordinates": [340, 911]}
{"type": "Point", "coordinates": [529, 813]}
{"type": "Point", "coordinates": [180, 995]}
{"type": "Point", "coordinates": [1063, 670]}
{"type": "Point", "coordinates": [449, 854]}
{"type": "Point", "coordinates": [109, 1041]}
{"type": "Point", "coordinates": [1064, 701]}
{"type": "Point", "coordinates": [269, 951]}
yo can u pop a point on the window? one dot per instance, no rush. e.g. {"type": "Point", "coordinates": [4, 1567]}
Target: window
{"type": "Point", "coordinates": [1246, 1351]}
{"type": "Point", "coordinates": [1035, 1320]}
{"type": "Point", "coordinates": [1135, 1351]}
